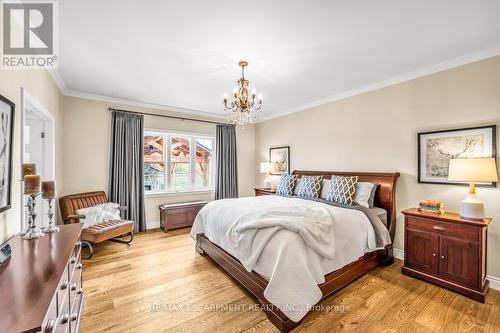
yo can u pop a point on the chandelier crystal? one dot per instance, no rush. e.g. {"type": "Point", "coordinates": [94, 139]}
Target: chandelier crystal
{"type": "Point", "coordinates": [244, 107]}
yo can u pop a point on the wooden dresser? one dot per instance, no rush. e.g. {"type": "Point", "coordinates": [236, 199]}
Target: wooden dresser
{"type": "Point", "coordinates": [41, 284]}
{"type": "Point", "coordinates": [263, 191]}
{"type": "Point", "coordinates": [448, 251]}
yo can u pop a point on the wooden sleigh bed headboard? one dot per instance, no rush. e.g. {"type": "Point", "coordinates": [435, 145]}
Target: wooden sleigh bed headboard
{"type": "Point", "coordinates": [385, 197]}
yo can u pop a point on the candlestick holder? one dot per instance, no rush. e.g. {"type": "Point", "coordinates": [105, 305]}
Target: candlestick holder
{"type": "Point", "coordinates": [50, 213]}
{"type": "Point", "coordinates": [33, 231]}
{"type": "Point", "coordinates": [24, 225]}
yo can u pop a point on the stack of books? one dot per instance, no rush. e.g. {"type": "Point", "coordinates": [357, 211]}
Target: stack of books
{"type": "Point", "coordinates": [431, 206]}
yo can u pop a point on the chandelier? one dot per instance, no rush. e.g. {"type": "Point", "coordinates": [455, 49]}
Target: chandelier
{"type": "Point", "coordinates": [243, 109]}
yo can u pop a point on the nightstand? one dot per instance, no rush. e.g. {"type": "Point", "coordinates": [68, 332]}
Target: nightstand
{"type": "Point", "coordinates": [264, 191]}
{"type": "Point", "coordinates": [448, 251]}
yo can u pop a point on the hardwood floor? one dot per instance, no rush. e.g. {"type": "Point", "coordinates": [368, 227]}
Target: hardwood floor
{"type": "Point", "coordinates": [135, 288]}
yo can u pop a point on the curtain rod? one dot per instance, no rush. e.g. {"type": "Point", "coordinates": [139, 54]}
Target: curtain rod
{"type": "Point", "coordinates": [172, 117]}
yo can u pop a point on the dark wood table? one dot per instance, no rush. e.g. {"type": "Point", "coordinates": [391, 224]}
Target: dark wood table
{"type": "Point", "coordinates": [41, 284]}
{"type": "Point", "coordinates": [264, 191]}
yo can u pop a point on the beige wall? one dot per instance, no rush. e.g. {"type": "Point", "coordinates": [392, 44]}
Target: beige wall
{"type": "Point", "coordinates": [86, 147]}
{"type": "Point", "coordinates": [377, 131]}
{"type": "Point", "coordinates": [39, 84]}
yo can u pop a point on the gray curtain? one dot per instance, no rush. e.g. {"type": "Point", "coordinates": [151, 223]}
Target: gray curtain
{"type": "Point", "coordinates": [126, 181]}
{"type": "Point", "coordinates": [226, 178]}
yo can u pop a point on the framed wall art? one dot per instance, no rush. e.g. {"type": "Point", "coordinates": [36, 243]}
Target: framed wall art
{"type": "Point", "coordinates": [6, 139]}
{"type": "Point", "coordinates": [281, 157]}
{"type": "Point", "coordinates": [435, 149]}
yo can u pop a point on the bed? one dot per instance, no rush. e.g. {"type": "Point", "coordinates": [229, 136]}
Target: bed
{"type": "Point", "coordinates": [331, 280]}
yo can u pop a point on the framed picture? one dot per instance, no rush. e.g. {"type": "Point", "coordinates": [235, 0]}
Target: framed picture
{"type": "Point", "coordinates": [435, 149]}
{"type": "Point", "coordinates": [280, 156]}
{"type": "Point", "coordinates": [6, 138]}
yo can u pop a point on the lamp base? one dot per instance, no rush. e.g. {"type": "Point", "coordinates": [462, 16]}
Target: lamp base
{"type": "Point", "coordinates": [472, 208]}
{"type": "Point", "coordinates": [267, 183]}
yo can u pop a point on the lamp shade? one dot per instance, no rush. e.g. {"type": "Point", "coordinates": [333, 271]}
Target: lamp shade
{"type": "Point", "coordinates": [473, 170]}
{"type": "Point", "coordinates": [266, 167]}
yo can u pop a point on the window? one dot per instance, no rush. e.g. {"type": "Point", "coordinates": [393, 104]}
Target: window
{"type": "Point", "coordinates": [175, 162]}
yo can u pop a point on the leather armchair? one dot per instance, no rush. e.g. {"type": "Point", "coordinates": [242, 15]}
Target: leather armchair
{"type": "Point", "coordinates": [109, 230]}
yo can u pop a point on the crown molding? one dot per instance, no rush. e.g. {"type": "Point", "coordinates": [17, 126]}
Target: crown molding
{"type": "Point", "coordinates": [125, 101]}
{"type": "Point", "coordinates": [448, 64]}
{"type": "Point", "coordinates": [445, 65]}
{"type": "Point", "coordinates": [56, 77]}
{"type": "Point", "coordinates": [59, 82]}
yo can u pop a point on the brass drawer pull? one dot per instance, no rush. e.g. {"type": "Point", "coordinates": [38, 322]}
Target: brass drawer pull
{"type": "Point", "coordinates": [437, 227]}
{"type": "Point", "coordinates": [443, 257]}
{"type": "Point", "coordinates": [64, 285]}
{"type": "Point", "coordinates": [79, 266]}
{"type": "Point", "coordinates": [434, 255]}
{"type": "Point", "coordinates": [49, 328]}
{"type": "Point", "coordinates": [65, 318]}
{"type": "Point", "coordinates": [74, 316]}
{"type": "Point", "coordinates": [80, 291]}
{"type": "Point", "coordinates": [73, 260]}
{"type": "Point", "coordinates": [73, 287]}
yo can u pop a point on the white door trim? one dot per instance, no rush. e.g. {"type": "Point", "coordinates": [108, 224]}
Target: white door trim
{"type": "Point", "coordinates": [28, 102]}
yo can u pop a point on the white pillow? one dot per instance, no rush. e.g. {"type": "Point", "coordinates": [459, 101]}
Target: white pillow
{"type": "Point", "coordinates": [92, 216]}
{"type": "Point", "coordinates": [365, 192]}
{"type": "Point", "coordinates": [297, 185]}
{"type": "Point", "coordinates": [110, 211]}
{"type": "Point", "coordinates": [98, 214]}
{"type": "Point", "coordinates": [325, 188]}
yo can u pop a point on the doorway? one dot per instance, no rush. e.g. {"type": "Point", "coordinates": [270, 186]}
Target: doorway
{"type": "Point", "coordinates": [38, 146]}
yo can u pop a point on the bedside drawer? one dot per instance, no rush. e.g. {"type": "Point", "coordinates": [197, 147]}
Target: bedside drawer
{"type": "Point", "coordinates": [443, 228]}
{"type": "Point", "coordinates": [260, 192]}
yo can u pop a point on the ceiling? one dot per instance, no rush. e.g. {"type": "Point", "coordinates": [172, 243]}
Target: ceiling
{"type": "Point", "coordinates": [183, 55]}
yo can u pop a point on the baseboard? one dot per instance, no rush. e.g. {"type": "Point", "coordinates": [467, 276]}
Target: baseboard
{"type": "Point", "coordinates": [398, 254]}
{"type": "Point", "coordinates": [494, 281]}
{"type": "Point", "coordinates": [152, 225]}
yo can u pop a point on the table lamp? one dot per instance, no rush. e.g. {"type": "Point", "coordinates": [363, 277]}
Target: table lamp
{"type": "Point", "coordinates": [267, 167]}
{"type": "Point", "coordinates": [472, 170]}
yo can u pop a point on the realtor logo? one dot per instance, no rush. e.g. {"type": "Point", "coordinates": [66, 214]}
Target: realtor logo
{"type": "Point", "coordinates": [29, 34]}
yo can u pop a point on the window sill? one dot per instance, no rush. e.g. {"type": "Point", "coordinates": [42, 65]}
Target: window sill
{"type": "Point", "coordinates": [177, 193]}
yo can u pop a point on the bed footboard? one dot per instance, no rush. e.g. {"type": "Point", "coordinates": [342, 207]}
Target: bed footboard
{"type": "Point", "coordinates": [252, 281]}
{"type": "Point", "coordinates": [256, 284]}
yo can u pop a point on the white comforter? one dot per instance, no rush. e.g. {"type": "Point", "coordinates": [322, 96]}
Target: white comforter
{"type": "Point", "coordinates": [292, 242]}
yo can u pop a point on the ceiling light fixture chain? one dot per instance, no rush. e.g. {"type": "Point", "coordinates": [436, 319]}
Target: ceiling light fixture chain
{"type": "Point", "coordinates": [242, 109]}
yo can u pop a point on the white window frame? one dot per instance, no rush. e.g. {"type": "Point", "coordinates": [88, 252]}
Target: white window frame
{"type": "Point", "coordinates": [167, 136]}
